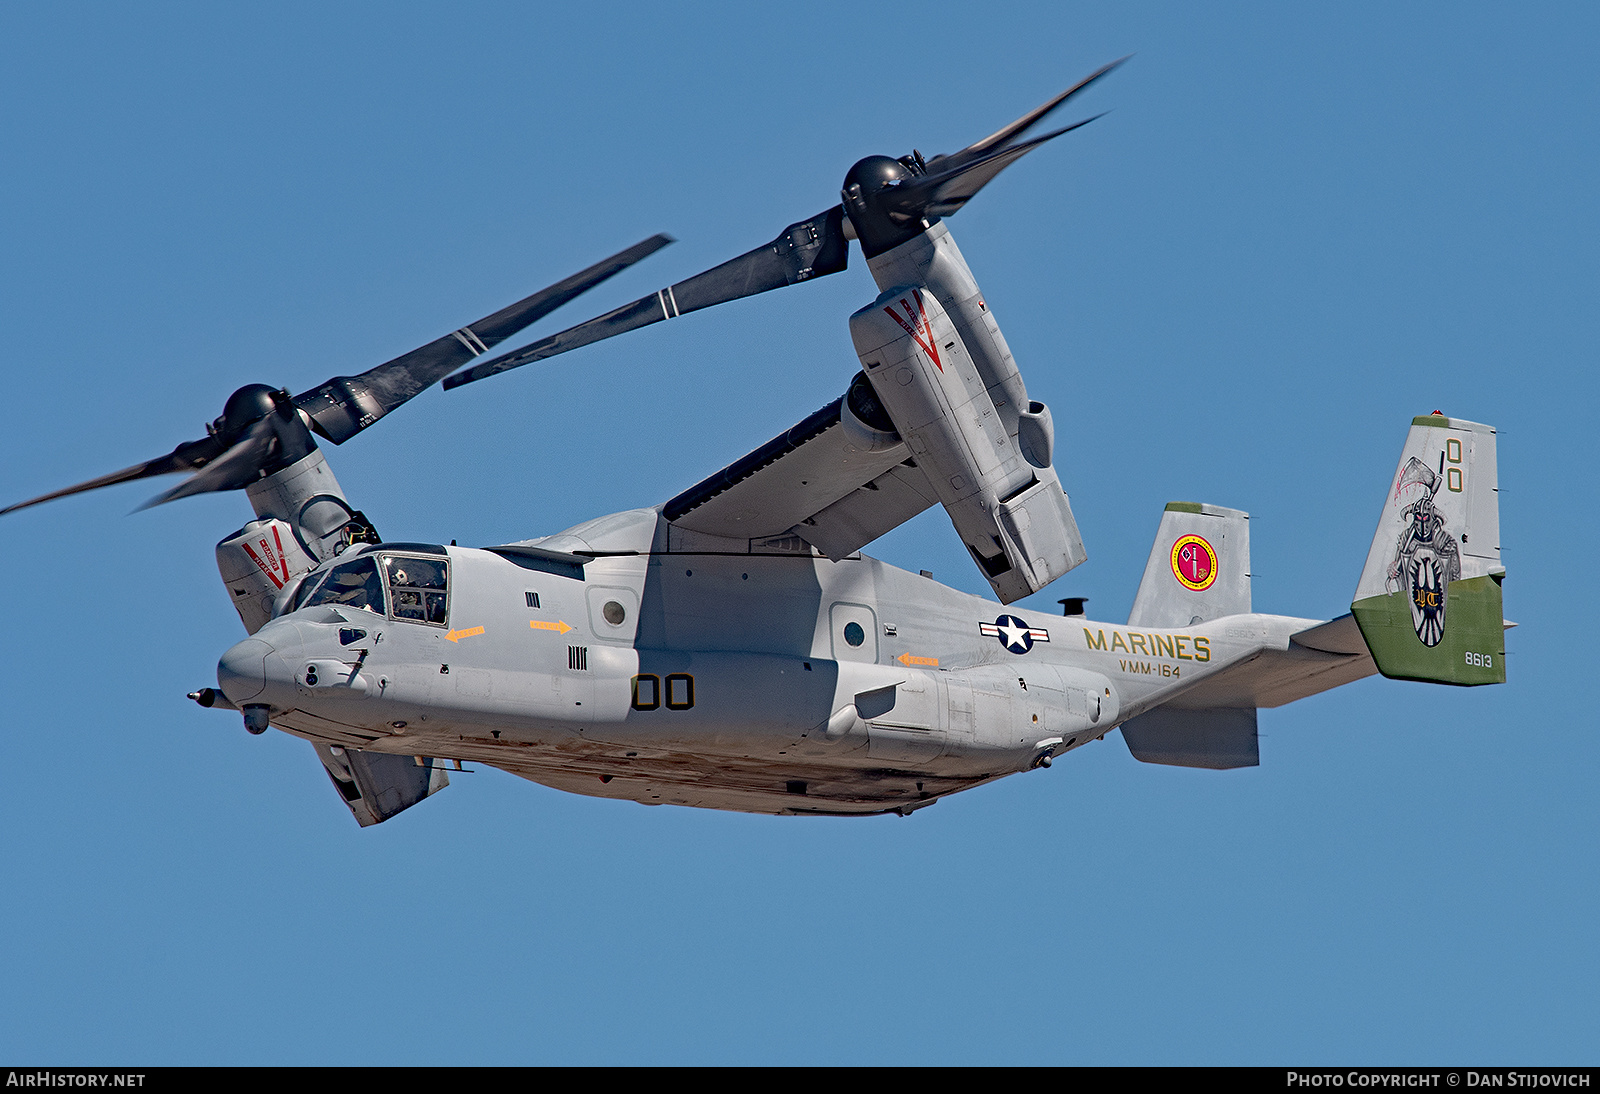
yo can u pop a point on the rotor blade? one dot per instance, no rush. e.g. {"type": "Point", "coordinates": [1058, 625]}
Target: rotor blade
{"type": "Point", "coordinates": [345, 405]}
{"type": "Point", "coordinates": [940, 193]}
{"type": "Point", "coordinates": [1004, 135]}
{"type": "Point", "coordinates": [239, 466]}
{"type": "Point", "coordinates": [807, 249]}
{"type": "Point", "coordinates": [186, 457]}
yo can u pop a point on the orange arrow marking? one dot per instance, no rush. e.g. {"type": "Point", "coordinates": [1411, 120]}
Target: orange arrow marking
{"type": "Point", "coordinates": [456, 636]}
{"type": "Point", "coordinates": [558, 626]}
{"type": "Point", "coordinates": [908, 659]}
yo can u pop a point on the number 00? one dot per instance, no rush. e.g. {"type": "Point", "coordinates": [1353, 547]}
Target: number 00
{"type": "Point", "coordinates": [647, 691]}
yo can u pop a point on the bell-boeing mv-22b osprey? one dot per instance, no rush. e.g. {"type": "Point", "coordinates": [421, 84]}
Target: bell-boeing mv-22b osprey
{"type": "Point", "coordinates": [732, 648]}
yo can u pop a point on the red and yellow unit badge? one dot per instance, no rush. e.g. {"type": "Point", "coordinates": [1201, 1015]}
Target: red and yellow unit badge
{"type": "Point", "coordinates": [1194, 563]}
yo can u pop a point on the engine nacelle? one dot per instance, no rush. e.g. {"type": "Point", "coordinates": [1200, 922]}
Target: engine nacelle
{"type": "Point", "coordinates": [1009, 511]}
{"type": "Point", "coordinates": [257, 562]}
{"type": "Point", "coordinates": [866, 423]}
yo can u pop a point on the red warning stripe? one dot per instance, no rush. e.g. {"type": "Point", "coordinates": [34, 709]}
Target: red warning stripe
{"type": "Point", "coordinates": [918, 327]}
{"type": "Point", "coordinates": [276, 562]}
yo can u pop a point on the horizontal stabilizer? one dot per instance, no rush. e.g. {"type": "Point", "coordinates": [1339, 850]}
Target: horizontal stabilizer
{"type": "Point", "coordinates": [1340, 635]}
{"type": "Point", "coordinates": [1274, 676]}
{"type": "Point", "coordinates": [1220, 738]}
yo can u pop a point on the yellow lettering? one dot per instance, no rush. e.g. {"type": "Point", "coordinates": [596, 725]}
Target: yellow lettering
{"type": "Point", "coordinates": [1202, 649]}
{"type": "Point", "coordinates": [1138, 643]}
{"type": "Point", "coordinates": [1178, 641]}
{"type": "Point", "coordinates": [1096, 640]}
{"type": "Point", "coordinates": [1117, 643]}
{"type": "Point", "coordinates": [1161, 645]}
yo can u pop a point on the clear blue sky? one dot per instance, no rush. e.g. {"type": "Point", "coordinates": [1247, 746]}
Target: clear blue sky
{"type": "Point", "coordinates": [1299, 226]}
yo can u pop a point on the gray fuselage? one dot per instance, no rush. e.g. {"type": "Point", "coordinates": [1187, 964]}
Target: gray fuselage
{"type": "Point", "coordinates": [771, 683]}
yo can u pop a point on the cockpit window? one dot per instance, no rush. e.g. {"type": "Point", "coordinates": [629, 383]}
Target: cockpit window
{"type": "Point", "coordinates": [350, 585]}
{"type": "Point", "coordinates": [297, 599]}
{"type": "Point", "coordinates": [308, 585]}
{"type": "Point", "coordinates": [418, 587]}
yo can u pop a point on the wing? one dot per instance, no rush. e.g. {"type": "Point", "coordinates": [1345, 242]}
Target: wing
{"type": "Point", "coordinates": [1317, 659]}
{"type": "Point", "coordinates": [814, 481]}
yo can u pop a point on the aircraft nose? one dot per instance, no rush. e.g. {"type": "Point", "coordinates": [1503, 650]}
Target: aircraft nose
{"type": "Point", "coordinates": [249, 667]}
{"type": "Point", "coordinates": [242, 672]}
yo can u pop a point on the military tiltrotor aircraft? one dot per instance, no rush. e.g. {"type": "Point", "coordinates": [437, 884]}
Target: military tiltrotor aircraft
{"type": "Point", "coordinates": [731, 648]}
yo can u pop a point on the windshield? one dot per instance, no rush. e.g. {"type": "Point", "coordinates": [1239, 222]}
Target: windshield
{"type": "Point", "coordinates": [350, 585]}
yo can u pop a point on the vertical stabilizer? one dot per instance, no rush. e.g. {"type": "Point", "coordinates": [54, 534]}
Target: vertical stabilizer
{"type": "Point", "coordinates": [1428, 603]}
{"type": "Point", "coordinates": [1199, 567]}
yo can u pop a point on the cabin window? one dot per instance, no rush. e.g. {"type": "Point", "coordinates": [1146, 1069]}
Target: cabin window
{"type": "Point", "coordinates": [350, 585]}
{"type": "Point", "coordinates": [418, 587]}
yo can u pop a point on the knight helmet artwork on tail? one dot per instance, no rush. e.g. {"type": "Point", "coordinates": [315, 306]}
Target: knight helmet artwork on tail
{"type": "Point", "coordinates": [1428, 603]}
